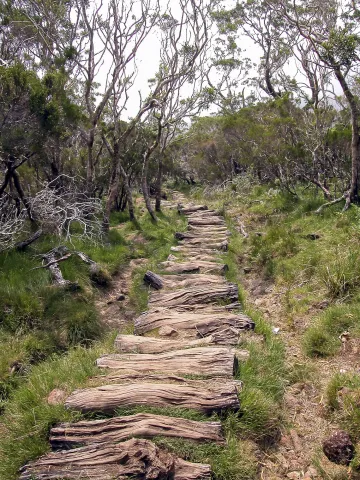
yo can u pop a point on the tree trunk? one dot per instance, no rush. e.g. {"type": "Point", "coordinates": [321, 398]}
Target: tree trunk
{"type": "Point", "coordinates": [144, 184]}
{"type": "Point", "coordinates": [22, 195]}
{"type": "Point", "coordinates": [113, 189]}
{"type": "Point", "coordinates": [90, 162]}
{"type": "Point", "coordinates": [128, 190]}
{"type": "Point", "coordinates": [159, 184]}
{"type": "Point", "coordinates": [355, 140]}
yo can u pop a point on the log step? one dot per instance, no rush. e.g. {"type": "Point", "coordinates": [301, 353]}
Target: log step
{"type": "Point", "coordinates": [191, 296]}
{"type": "Point", "coordinates": [209, 362]}
{"type": "Point", "coordinates": [107, 398]}
{"type": "Point", "coordinates": [184, 281]}
{"type": "Point", "coordinates": [135, 459]}
{"type": "Point", "coordinates": [194, 266]}
{"type": "Point", "coordinates": [207, 221]}
{"type": "Point", "coordinates": [193, 324]}
{"type": "Point", "coordinates": [138, 344]}
{"type": "Point", "coordinates": [187, 209]}
{"type": "Point", "coordinates": [141, 425]}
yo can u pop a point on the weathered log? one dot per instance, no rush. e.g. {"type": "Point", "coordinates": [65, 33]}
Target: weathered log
{"type": "Point", "coordinates": [208, 362]}
{"type": "Point", "coordinates": [186, 209]}
{"type": "Point", "coordinates": [203, 229]}
{"type": "Point", "coordinates": [135, 459]}
{"type": "Point", "coordinates": [139, 344]}
{"type": "Point", "coordinates": [107, 398]}
{"type": "Point", "coordinates": [210, 244]}
{"type": "Point", "coordinates": [142, 425]}
{"type": "Point", "coordinates": [192, 251]}
{"type": "Point", "coordinates": [191, 471]}
{"type": "Point", "coordinates": [197, 266]}
{"type": "Point", "coordinates": [200, 236]}
{"type": "Point", "coordinates": [191, 296]}
{"type": "Point", "coordinates": [153, 280]}
{"type": "Point", "coordinates": [198, 257]}
{"type": "Point", "coordinates": [190, 280]}
{"type": "Point", "coordinates": [204, 213]}
{"type": "Point", "coordinates": [206, 221]}
{"type": "Point", "coordinates": [193, 324]}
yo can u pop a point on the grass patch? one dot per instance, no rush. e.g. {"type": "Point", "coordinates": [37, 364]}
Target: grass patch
{"type": "Point", "coordinates": [235, 461]}
{"type": "Point", "coordinates": [28, 418]}
{"type": "Point", "coordinates": [322, 338]}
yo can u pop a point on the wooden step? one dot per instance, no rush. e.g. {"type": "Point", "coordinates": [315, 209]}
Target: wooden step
{"type": "Point", "coordinates": [192, 324]}
{"type": "Point", "coordinates": [107, 398]}
{"type": "Point", "coordinates": [171, 282]}
{"type": "Point", "coordinates": [134, 459]}
{"type": "Point", "coordinates": [204, 229]}
{"type": "Point", "coordinates": [206, 221]}
{"type": "Point", "coordinates": [194, 266]}
{"type": "Point", "coordinates": [191, 251]}
{"type": "Point", "coordinates": [187, 209]}
{"type": "Point", "coordinates": [200, 235]}
{"type": "Point", "coordinates": [203, 243]}
{"type": "Point", "coordinates": [208, 362]}
{"type": "Point", "coordinates": [141, 425]}
{"type": "Point", "coordinates": [139, 344]}
{"type": "Point", "coordinates": [204, 213]}
{"type": "Point", "coordinates": [191, 296]}
{"type": "Point", "coordinates": [199, 257]}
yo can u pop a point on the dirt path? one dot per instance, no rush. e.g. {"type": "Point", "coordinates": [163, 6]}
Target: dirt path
{"type": "Point", "coordinates": [182, 355]}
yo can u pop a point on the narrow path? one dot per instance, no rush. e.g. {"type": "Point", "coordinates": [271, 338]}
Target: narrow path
{"type": "Point", "coordinates": [183, 354]}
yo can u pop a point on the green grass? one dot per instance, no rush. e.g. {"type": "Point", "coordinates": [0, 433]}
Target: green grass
{"type": "Point", "coordinates": [28, 418]}
{"type": "Point", "coordinates": [322, 338]}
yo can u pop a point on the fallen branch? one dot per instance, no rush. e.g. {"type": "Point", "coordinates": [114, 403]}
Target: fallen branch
{"type": "Point", "coordinates": [333, 202]}
{"type": "Point", "coordinates": [242, 229]}
{"type": "Point", "coordinates": [65, 257]}
{"type": "Point", "coordinates": [22, 245]}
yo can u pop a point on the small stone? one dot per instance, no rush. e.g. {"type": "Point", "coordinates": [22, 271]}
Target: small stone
{"type": "Point", "coordinates": [171, 258]}
{"type": "Point", "coordinates": [56, 397]}
{"type": "Point", "coordinates": [293, 475]}
{"type": "Point", "coordinates": [311, 472]}
{"type": "Point", "coordinates": [120, 298]}
{"type": "Point", "coordinates": [339, 448]}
